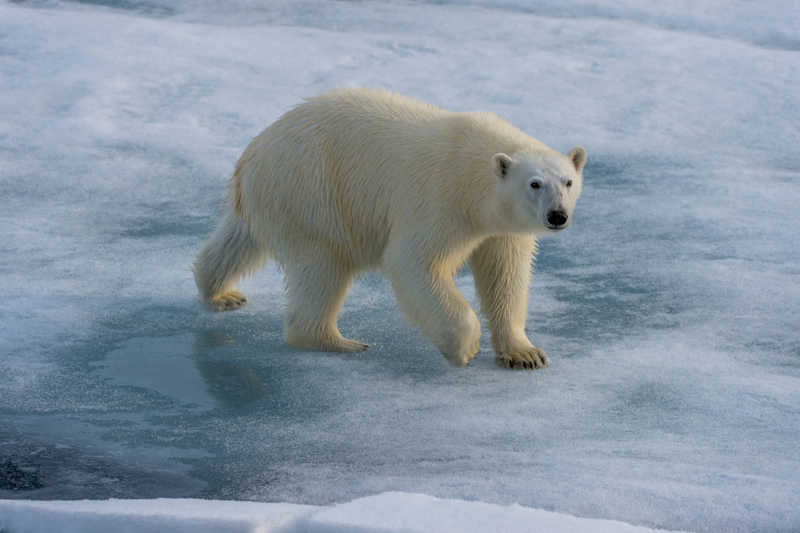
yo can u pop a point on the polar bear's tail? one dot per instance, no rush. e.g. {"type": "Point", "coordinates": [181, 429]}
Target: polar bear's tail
{"type": "Point", "coordinates": [229, 254]}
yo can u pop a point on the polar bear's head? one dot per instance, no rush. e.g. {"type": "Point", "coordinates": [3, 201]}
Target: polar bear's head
{"type": "Point", "coordinates": [540, 188]}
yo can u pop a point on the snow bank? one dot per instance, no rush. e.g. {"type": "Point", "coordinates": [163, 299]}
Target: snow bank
{"type": "Point", "coordinates": [384, 513]}
{"type": "Point", "coordinates": [143, 516]}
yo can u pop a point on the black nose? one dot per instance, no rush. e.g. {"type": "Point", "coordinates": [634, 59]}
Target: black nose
{"type": "Point", "coordinates": [557, 217]}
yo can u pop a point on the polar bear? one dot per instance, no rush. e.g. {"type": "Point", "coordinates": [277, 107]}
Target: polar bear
{"type": "Point", "coordinates": [366, 179]}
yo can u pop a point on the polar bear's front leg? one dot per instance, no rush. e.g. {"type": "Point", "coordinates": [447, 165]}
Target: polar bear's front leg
{"type": "Point", "coordinates": [429, 298]}
{"type": "Point", "coordinates": [501, 267]}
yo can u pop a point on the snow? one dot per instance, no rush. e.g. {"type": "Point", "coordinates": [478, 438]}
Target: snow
{"type": "Point", "coordinates": [669, 308]}
{"type": "Point", "coordinates": [383, 513]}
{"type": "Point", "coordinates": [142, 516]}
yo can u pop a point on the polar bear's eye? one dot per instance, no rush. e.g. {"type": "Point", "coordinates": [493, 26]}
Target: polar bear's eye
{"type": "Point", "coordinates": [535, 185]}
{"type": "Point", "coordinates": [569, 183]}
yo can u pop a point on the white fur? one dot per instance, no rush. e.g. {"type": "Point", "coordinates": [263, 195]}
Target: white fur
{"type": "Point", "coordinates": [358, 179]}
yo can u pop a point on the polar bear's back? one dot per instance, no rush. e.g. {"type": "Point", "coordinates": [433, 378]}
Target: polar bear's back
{"type": "Point", "coordinates": [339, 168]}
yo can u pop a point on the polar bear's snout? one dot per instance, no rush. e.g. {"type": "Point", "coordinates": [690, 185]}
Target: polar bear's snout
{"type": "Point", "coordinates": [557, 219]}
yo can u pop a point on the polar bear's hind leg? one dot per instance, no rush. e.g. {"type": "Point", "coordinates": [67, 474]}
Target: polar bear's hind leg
{"type": "Point", "coordinates": [229, 254]}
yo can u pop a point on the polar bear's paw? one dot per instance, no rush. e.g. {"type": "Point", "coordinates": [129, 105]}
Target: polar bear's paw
{"type": "Point", "coordinates": [463, 358]}
{"type": "Point", "coordinates": [350, 346]}
{"type": "Point", "coordinates": [476, 347]}
{"type": "Point", "coordinates": [525, 359]}
{"type": "Point", "coordinates": [326, 343]}
{"type": "Point", "coordinates": [227, 301]}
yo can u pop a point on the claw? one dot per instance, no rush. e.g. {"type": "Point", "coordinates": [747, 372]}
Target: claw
{"type": "Point", "coordinates": [227, 301]}
{"type": "Point", "coordinates": [525, 359]}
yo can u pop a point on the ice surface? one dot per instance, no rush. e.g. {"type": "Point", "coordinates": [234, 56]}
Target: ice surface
{"type": "Point", "coordinates": [383, 513]}
{"type": "Point", "coordinates": [670, 309]}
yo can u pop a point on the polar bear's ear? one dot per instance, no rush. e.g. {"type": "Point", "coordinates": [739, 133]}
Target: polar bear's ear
{"type": "Point", "coordinates": [501, 163]}
{"type": "Point", "coordinates": [578, 157]}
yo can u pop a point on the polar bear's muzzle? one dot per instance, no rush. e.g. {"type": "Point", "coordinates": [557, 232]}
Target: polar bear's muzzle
{"type": "Point", "coordinates": [557, 219]}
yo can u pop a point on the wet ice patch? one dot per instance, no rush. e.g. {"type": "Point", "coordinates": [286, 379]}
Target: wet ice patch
{"type": "Point", "coordinates": [176, 368]}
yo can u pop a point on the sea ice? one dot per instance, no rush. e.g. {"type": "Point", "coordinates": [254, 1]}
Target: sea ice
{"type": "Point", "coordinates": [669, 308]}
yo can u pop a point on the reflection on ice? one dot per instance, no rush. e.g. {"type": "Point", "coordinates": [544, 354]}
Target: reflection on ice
{"type": "Point", "coordinates": [231, 385]}
{"type": "Point", "coordinates": [162, 365]}
{"type": "Point", "coordinates": [178, 368]}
